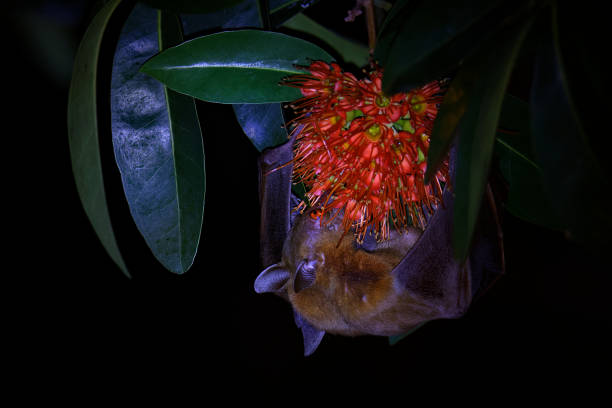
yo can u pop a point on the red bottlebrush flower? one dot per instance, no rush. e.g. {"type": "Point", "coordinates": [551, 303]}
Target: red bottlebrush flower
{"type": "Point", "coordinates": [363, 154]}
{"type": "Point", "coordinates": [423, 104]}
{"type": "Point", "coordinates": [376, 104]}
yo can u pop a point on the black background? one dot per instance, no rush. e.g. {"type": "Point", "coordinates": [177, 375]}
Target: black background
{"type": "Point", "coordinates": [68, 306]}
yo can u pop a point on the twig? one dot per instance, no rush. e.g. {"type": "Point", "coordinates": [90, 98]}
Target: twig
{"type": "Point", "coordinates": [371, 23]}
{"type": "Point", "coordinates": [368, 6]}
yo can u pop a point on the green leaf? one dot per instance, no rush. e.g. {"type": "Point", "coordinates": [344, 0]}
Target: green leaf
{"type": "Point", "coordinates": [242, 66]}
{"type": "Point", "coordinates": [262, 123]}
{"type": "Point", "coordinates": [573, 178]}
{"type": "Point", "coordinates": [191, 6]}
{"type": "Point", "coordinates": [452, 109]}
{"type": "Point", "coordinates": [483, 81]}
{"type": "Point", "coordinates": [277, 5]}
{"type": "Point", "coordinates": [83, 133]}
{"type": "Point", "coordinates": [351, 52]}
{"type": "Point", "coordinates": [429, 40]}
{"type": "Point", "coordinates": [264, 14]}
{"type": "Point", "coordinates": [283, 10]}
{"type": "Point", "coordinates": [243, 15]}
{"type": "Point", "coordinates": [391, 26]}
{"type": "Point", "coordinates": [514, 127]}
{"type": "Point", "coordinates": [157, 142]}
{"type": "Point", "coordinates": [526, 197]}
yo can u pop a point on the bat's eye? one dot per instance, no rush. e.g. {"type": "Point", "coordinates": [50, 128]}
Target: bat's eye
{"type": "Point", "coordinates": [305, 275]}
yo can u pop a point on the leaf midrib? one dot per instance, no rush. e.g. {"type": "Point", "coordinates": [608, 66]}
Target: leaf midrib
{"type": "Point", "coordinates": [521, 155]}
{"type": "Point", "coordinates": [226, 65]}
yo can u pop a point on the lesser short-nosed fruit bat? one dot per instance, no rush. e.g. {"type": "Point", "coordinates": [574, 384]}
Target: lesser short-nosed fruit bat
{"type": "Point", "coordinates": [337, 285]}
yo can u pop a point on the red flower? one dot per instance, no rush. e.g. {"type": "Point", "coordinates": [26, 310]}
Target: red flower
{"type": "Point", "coordinates": [363, 154]}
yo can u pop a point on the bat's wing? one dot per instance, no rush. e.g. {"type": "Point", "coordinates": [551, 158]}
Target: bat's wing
{"type": "Point", "coordinates": [275, 206]}
{"type": "Point", "coordinates": [430, 269]}
{"type": "Point", "coordinates": [486, 260]}
{"type": "Point", "coordinates": [275, 169]}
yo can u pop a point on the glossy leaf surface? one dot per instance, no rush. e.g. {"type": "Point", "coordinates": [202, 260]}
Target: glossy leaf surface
{"type": "Point", "coordinates": [483, 80]}
{"type": "Point", "coordinates": [235, 66]}
{"type": "Point", "coordinates": [157, 142]}
{"type": "Point", "coordinates": [262, 123]}
{"type": "Point", "coordinates": [83, 133]}
{"type": "Point", "coordinates": [573, 179]}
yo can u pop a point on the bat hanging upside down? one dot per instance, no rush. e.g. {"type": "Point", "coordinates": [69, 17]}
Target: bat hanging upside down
{"type": "Point", "coordinates": [337, 285]}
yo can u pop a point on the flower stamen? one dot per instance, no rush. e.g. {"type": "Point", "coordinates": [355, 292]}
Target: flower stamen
{"type": "Point", "coordinates": [363, 154]}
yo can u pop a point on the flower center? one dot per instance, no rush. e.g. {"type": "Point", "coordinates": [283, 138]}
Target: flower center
{"type": "Point", "coordinates": [418, 104]}
{"type": "Point", "coordinates": [382, 101]}
{"type": "Point", "coordinates": [373, 133]}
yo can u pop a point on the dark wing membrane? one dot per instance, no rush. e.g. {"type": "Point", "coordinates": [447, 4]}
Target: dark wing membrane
{"type": "Point", "coordinates": [486, 258]}
{"type": "Point", "coordinates": [274, 198]}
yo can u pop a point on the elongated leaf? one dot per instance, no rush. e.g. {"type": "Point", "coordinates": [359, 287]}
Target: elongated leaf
{"type": "Point", "coordinates": [157, 142]}
{"type": "Point", "coordinates": [390, 28]}
{"type": "Point", "coordinates": [451, 112]}
{"type": "Point", "coordinates": [351, 52]}
{"type": "Point", "coordinates": [277, 5]}
{"type": "Point", "coordinates": [264, 14]}
{"type": "Point", "coordinates": [398, 8]}
{"type": "Point", "coordinates": [235, 66]}
{"type": "Point", "coordinates": [526, 195]}
{"type": "Point", "coordinates": [262, 123]}
{"type": "Point", "coordinates": [83, 133]}
{"type": "Point", "coordinates": [573, 179]}
{"type": "Point", "coordinates": [432, 38]}
{"type": "Point", "coordinates": [191, 6]}
{"type": "Point", "coordinates": [514, 127]}
{"type": "Point", "coordinates": [283, 10]}
{"type": "Point", "coordinates": [242, 15]}
{"type": "Point", "coordinates": [488, 73]}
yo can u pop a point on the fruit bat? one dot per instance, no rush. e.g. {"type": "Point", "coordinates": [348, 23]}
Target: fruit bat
{"type": "Point", "coordinates": [340, 286]}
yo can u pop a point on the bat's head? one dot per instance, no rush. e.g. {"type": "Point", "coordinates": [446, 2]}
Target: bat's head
{"type": "Point", "coordinates": [338, 285]}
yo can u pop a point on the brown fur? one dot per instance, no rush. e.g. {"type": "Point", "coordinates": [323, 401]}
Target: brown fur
{"type": "Point", "coordinates": [354, 292]}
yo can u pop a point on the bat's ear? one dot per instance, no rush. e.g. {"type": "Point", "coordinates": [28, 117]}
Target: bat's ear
{"type": "Point", "coordinates": [312, 335]}
{"type": "Point", "coordinates": [272, 279]}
